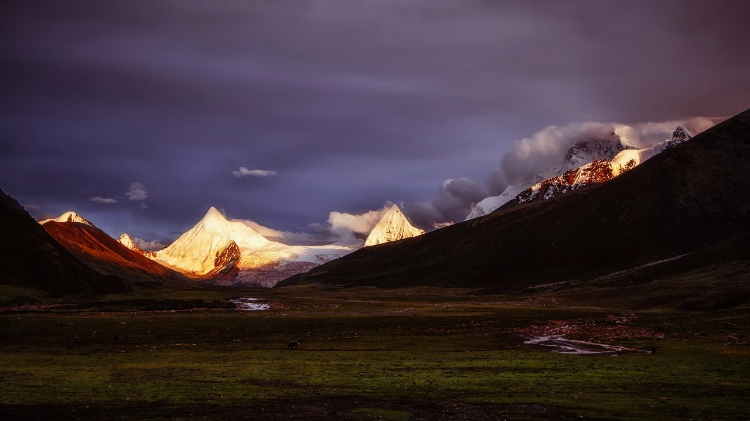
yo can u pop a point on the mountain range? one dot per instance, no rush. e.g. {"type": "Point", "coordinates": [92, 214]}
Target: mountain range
{"type": "Point", "coordinates": [586, 162]}
{"type": "Point", "coordinates": [232, 253]}
{"type": "Point", "coordinates": [216, 251]}
{"type": "Point", "coordinates": [608, 215]}
{"type": "Point", "coordinates": [228, 252]}
{"type": "Point", "coordinates": [686, 209]}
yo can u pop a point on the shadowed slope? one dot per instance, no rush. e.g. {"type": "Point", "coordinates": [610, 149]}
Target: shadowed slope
{"type": "Point", "coordinates": [691, 197]}
{"type": "Point", "coordinates": [107, 255]}
{"type": "Point", "coordinates": [30, 258]}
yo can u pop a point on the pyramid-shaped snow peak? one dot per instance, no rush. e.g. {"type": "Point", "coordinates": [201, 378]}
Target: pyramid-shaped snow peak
{"type": "Point", "coordinates": [212, 245]}
{"type": "Point", "coordinates": [233, 253]}
{"type": "Point", "coordinates": [393, 226]}
{"type": "Point", "coordinates": [126, 241]}
{"type": "Point", "coordinates": [215, 223]}
{"type": "Point", "coordinates": [68, 217]}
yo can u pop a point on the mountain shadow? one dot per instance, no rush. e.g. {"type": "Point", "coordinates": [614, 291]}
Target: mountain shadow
{"type": "Point", "coordinates": [31, 258]}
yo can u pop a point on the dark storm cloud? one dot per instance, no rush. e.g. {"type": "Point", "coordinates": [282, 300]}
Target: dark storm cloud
{"type": "Point", "coordinates": [352, 103]}
{"type": "Point", "coordinates": [454, 201]}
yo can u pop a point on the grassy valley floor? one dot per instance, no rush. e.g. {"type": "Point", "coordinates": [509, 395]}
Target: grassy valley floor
{"type": "Point", "coordinates": [367, 354]}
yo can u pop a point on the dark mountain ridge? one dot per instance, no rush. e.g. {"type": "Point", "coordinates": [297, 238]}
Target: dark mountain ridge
{"type": "Point", "coordinates": [689, 198]}
{"type": "Point", "coordinates": [31, 258]}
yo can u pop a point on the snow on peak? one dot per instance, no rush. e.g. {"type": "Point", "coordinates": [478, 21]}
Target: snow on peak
{"type": "Point", "coordinates": [216, 223]}
{"type": "Point", "coordinates": [581, 166]}
{"type": "Point", "coordinates": [126, 241]}
{"type": "Point", "coordinates": [489, 204]}
{"type": "Point", "coordinates": [598, 171]}
{"type": "Point", "coordinates": [69, 216]}
{"type": "Point", "coordinates": [679, 135]}
{"type": "Point", "coordinates": [393, 226]}
{"type": "Point", "coordinates": [214, 215]}
{"type": "Point", "coordinates": [233, 253]}
{"type": "Point", "coordinates": [213, 243]}
{"type": "Point", "coordinates": [581, 153]}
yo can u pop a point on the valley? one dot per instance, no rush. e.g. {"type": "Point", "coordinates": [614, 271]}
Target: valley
{"type": "Point", "coordinates": [375, 210]}
{"type": "Point", "coordinates": [367, 354]}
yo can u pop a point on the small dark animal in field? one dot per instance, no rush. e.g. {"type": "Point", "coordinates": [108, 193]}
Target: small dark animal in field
{"type": "Point", "coordinates": [115, 337]}
{"type": "Point", "coordinates": [293, 345]}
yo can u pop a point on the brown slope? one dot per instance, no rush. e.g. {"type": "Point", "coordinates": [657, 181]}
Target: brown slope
{"type": "Point", "coordinates": [107, 255]}
{"type": "Point", "coordinates": [30, 258]}
{"type": "Point", "coordinates": [692, 197]}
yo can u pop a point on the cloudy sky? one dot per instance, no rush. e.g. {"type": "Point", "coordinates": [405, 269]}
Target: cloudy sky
{"type": "Point", "coordinates": [140, 115]}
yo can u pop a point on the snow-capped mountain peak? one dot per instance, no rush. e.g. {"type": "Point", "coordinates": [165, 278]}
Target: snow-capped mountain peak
{"type": "Point", "coordinates": [586, 162]}
{"type": "Point", "coordinates": [215, 223]}
{"type": "Point", "coordinates": [231, 252]}
{"type": "Point", "coordinates": [69, 216]}
{"type": "Point", "coordinates": [392, 226]}
{"type": "Point", "coordinates": [581, 153]}
{"type": "Point", "coordinates": [578, 155]}
{"type": "Point", "coordinates": [679, 136]}
{"type": "Point", "coordinates": [207, 248]}
{"type": "Point", "coordinates": [126, 241]}
{"type": "Point", "coordinates": [214, 216]}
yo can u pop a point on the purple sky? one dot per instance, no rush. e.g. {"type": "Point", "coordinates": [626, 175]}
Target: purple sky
{"type": "Point", "coordinates": [351, 103]}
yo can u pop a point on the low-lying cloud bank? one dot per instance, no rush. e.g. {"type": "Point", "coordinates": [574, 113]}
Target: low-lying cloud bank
{"type": "Point", "coordinates": [152, 245]}
{"type": "Point", "coordinates": [531, 155]}
{"type": "Point", "coordinates": [341, 228]}
{"type": "Point", "coordinates": [456, 197]}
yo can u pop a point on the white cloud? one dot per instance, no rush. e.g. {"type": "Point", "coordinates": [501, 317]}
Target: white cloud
{"type": "Point", "coordinates": [341, 228]}
{"type": "Point", "coordinates": [531, 155]}
{"type": "Point", "coordinates": [137, 192]}
{"type": "Point", "coordinates": [363, 223]}
{"type": "Point", "coordinates": [455, 199]}
{"type": "Point", "coordinates": [103, 200]}
{"type": "Point", "coordinates": [438, 225]}
{"type": "Point", "coordinates": [315, 238]}
{"type": "Point", "coordinates": [242, 172]}
{"type": "Point", "coordinates": [152, 245]}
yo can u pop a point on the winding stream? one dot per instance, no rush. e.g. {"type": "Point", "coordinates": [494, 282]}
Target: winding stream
{"type": "Point", "coordinates": [249, 304]}
{"type": "Point", "coordinates": [562, 345]}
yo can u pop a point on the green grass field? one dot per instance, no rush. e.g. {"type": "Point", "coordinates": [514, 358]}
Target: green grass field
{"type": "Point", "coordinates": [365, 354]}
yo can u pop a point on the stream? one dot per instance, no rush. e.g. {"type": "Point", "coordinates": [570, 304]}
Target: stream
{"type": "Point", "coordinates": [561, 345]}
